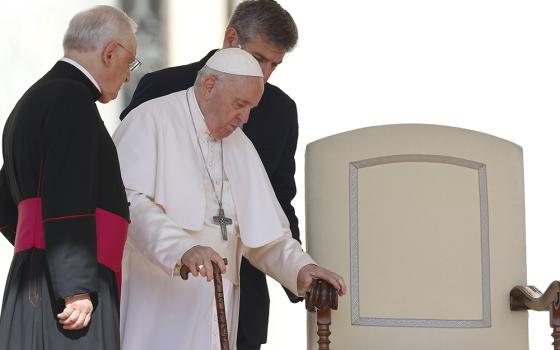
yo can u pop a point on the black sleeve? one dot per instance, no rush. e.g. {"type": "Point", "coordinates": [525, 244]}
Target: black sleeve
{"type": "Point", "coordinates": [8, 210]}
{"type": "Point", "coordinates": [283, 179]}
{"type": "Point", "coordinates": [68, 192]}
{"type": "Point", "coordinates": [285, 183]}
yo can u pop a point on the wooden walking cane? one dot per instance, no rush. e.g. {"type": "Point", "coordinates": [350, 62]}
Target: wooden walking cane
{"type": "Point", "coordinates": [220, 305]}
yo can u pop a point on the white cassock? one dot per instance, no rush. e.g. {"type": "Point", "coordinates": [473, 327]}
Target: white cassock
{"type": "Point", "coordinates": [172, 203]}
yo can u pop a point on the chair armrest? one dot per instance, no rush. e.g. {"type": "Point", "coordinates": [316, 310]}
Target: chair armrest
{"type": "Point", "coordinates": [531, 298]}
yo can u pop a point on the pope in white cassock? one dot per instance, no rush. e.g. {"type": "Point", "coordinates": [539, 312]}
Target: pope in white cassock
{"type": "Point", "coordinates": [187, 167]}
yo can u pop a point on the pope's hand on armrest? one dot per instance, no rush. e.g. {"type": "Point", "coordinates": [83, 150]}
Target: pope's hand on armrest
{"type": "Point", "coordinates": [309, 272]}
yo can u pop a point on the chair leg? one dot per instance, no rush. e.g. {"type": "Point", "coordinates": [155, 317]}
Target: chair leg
{"type": "Point", "coordinates": [323, 328]}
{"type": "Point", "coordinates": [322, 297]}
{"type": "Point", "coordinates": [555, 321]}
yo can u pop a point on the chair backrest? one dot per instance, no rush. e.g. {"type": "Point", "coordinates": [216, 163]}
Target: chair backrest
{"type": "Point", "coordinates": [426, 225]}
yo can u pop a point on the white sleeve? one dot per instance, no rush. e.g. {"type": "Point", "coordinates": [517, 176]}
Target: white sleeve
{"type": "Point", "coordinates": [154, 234]}
{"type": "Point", "coordinates": [281, 259]}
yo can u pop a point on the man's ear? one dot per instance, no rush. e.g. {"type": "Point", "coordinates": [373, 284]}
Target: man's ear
{"type": "Point", "coordinates": [108, 53]}
{"type": "Point", "coordinates": [231, 38]}
{"type": "Point", "coordinates": [208, 86]}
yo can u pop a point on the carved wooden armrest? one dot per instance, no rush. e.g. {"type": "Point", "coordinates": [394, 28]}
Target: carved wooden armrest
{"type": "Point", "coordinates": [530, 298]}
{"type": "Point", "coordinates": [322, 297]}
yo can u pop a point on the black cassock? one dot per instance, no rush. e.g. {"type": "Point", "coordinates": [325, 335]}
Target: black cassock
{"type": "Point", "coordinates": [63, 206]}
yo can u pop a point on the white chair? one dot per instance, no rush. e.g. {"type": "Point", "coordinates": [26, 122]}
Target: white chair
{"type": "Point", "coordinates": [426, 225]}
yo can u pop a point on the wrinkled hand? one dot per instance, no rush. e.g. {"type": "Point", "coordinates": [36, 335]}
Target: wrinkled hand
{"type": "Point", "coordinates": [199, 259]}
{"type": "Point", "coordinates": [309, 272]}
{"type": "Point", "coordinates": [77, 312]}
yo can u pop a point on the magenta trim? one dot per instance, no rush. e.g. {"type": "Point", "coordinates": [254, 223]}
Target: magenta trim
{"type": "Point", "coordinates": [66, 217]}
{"type": "Point", "coordinates": [29, 232]}
{"type": "Point", "coordinates": [111, 236]}
{"type": "Point", "coordinates": [110, 229]}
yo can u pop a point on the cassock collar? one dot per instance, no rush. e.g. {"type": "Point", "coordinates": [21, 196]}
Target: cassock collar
{"type": "Point", "coordinates": [66, 70]}
{"type": "Point", "coordinates": [82, 69]}
{"type": "Point", "coordinates": [198, 118]}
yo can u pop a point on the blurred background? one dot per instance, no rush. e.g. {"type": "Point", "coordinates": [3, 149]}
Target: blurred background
{"type": "Point", "coordinates": [488, 65]}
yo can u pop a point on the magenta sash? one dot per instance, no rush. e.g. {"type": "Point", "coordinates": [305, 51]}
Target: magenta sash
{"type": "Point", "coordinates": [110, 229]}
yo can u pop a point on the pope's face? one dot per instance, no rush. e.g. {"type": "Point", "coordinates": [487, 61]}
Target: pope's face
{"type": "Point", "coordinates": [231, 101]}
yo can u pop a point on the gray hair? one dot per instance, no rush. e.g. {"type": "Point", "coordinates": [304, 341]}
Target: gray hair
{"type": "Point", "coordinates": [206, 71]}
{"type": "Point", "coordinates": [94, 28]}
{"type": "Point", "coordinates": [266, 18]}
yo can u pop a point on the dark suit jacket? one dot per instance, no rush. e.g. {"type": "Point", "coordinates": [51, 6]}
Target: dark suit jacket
{"type": "Point", "coordinates": [273, 129]}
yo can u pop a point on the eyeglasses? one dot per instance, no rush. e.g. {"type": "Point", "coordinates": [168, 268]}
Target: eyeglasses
{"type": "Point", "coordinates": [134, 64]}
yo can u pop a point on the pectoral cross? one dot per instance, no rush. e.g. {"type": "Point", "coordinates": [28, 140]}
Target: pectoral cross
{"type": "Point", "coordinates": [222, 220]}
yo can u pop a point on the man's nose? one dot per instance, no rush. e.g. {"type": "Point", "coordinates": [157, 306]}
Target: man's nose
{"type": "Point", "coordinates": [127, 79]}
{"type": "Point", "coordinates": [267, 70]}
{"type": "Point", "coordinates": [245, 116]}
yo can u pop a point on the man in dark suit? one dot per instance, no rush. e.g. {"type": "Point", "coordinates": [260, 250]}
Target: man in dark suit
{"type": "Point", "coordinates": [268, 32]}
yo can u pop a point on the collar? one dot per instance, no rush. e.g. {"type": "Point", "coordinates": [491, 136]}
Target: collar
{"type": "Point", "coordinates": [198, 118]}
{"type": "Point", "coordinates": [82, 69]}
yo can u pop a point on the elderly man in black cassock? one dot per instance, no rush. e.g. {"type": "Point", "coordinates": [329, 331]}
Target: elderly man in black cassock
{"type": "Point", "coordinates": [62, 201]}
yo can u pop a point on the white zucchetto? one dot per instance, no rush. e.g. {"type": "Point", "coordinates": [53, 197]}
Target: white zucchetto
{"type": "Point", "coordinates": [235, 61]}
